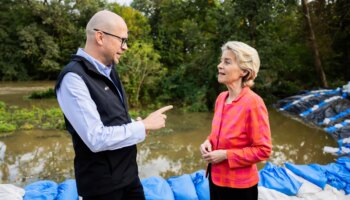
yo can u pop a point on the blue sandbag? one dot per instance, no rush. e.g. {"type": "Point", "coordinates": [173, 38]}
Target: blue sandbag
{"type": "Point", "coordinates": [312, 172]}
{"type": "Point", "coordinates": [337, 175]}
{"type": "Point", "coordinates": [345, 161]}
{"type": "Point", "coordinates": [157, 188]}
{"type": "Point", "coordinates": [339, 170]}
{"type": "Point", "coordinates": [335, 181]}
{"type": "Point", "coordinates": [67, 190]}
{"type": "Point", "coordinates": [201, 184]}
{"type": "Point", "coordinates": [41, 190]}
{"type": "Point", "coordinates": [183, 187]}
{"type": "Point", "coordinates": [277, 178]}
{"type": "Point", "coordinates": [347, 189]}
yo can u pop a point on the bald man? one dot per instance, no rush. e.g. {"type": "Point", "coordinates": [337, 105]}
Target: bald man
{"type": "Point", "coordinates": [95, 109]}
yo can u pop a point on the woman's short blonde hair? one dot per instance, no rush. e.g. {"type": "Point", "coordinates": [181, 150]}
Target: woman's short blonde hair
{"type": "Point", "coordinates": [247, 58]}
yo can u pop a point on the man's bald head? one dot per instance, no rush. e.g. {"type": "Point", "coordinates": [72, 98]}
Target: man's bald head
{"type": "Point", "coordinates": [104, 20]}
{"type": "Point", "coordinates": [107, 42]}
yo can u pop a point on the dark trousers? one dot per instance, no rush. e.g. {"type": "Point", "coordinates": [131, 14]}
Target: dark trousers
{"type": "Point", "coordinates": [226, 193]}
{"type": "Point", "coordinates": [134, 191]}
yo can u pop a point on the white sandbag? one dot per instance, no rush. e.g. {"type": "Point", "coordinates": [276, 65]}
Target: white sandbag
{"type": "Point", "coordinates": [8, 191]}
{"type": "Point", "coordinates": [307, 187]}
{"type": "Point", "coordinates": [329, 193]}
{"type": "Point", "coordinates": [336, 151]}
{"type": "Point", "coordinates": [270, 194]}
{"type": "Point", "coordinates": [310, 191]}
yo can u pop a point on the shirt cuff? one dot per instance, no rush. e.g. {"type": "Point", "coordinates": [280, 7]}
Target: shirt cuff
{"type": "Point", "coordinates": [139, 130]}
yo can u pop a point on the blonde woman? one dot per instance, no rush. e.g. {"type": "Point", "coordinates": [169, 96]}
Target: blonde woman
{"type": "Point", "coordinates": [240, 135]}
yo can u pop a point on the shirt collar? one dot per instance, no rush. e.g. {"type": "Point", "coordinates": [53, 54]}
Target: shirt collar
{"type": "Point", "coordinates": [103, 69]}
{"type": "Point", "coordinates": [242, 93]}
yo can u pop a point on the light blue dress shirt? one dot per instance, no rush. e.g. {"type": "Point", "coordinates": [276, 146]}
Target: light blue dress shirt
{"type": "Point", "coordinates": [77, 105]}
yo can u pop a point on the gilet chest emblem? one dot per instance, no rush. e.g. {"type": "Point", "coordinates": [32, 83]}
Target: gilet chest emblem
{"type": "Point", "coordinates": [106, 88]}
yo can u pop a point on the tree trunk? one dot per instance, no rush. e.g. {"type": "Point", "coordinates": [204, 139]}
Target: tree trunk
{"type": "Point", "coordinates": [318, 64]}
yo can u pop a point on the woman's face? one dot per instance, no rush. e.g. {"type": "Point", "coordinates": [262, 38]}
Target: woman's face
{"type": "Point", "coordinates": [228, 70]}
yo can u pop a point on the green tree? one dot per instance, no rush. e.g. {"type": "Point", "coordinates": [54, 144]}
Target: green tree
{"type": "Point", "coordinates": [184, 33]}
{"type": "Point", "coordinates": [39, 49]}
{"type": "Point", "coordinates": [38, 37]}
{"type": "Point", "coordinates": [138, 25]}
{"type": "Point", "coordinates": [141, 72]}
{"type": "Point", "coordinates": [331, 22]}
{"type": "Point", "coordinates": [12, 17]}
{"type": "Point", "coordinates": [140, 68]}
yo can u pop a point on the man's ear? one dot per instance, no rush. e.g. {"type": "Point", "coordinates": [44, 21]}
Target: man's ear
{"type": "Point", "coordinates": [99, 38]}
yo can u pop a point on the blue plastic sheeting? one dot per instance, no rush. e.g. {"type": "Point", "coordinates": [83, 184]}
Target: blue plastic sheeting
{"type": "Point", "coordinates": [318, 106]}
{"type": "Point", "coordinates": [183, 187]}
{"type": "Point", "coordinates": [308, 95]}
{"type": "Point", "coordinates": [277, 178]}
{"type": "Point", "coordinates": [328, 109]}
{"type": "Point", "coordinates": [333, 118]}
{"type": "Point", "coordinates": [67, 190]}
{"type": "Point", "coordinates": [201, 184]}
{"type": "Point", "coordinates": [334, 128]}
{"type": "Point", "coordinates": [312, 172]}
{"type": "Point", "coordinates": [157, 188]}
{"type": "Point", "coordinates": [41, 190]}
{"type": "Point", "coordinates": [343, 143]}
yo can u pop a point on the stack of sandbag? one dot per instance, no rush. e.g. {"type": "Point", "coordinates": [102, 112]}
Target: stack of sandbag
{"type": "Point", "coordinates": [327, 109]}
{"type": "Point", "coordinates": [50, 190]}
{"type": "Point", "coordinates": [292, 182]}
{"type": "Point", "coordinates": [193, 186]}
{"type": "Point", "coordinates": [306, 182]}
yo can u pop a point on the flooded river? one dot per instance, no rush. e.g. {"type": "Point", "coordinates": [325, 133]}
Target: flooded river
{"type": "Point", "coordinates": [31, 155]}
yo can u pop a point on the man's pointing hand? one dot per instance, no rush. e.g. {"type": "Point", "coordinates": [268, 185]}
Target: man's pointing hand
{"type": "Point", "coordinates": [156, 119]}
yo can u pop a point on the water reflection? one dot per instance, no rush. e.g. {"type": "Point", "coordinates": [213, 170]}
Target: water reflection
{"type": "Point", "coordinates": [295, 142]}
{"type": "Point", "coordinates": [36, 154]}
{"type": "Point", "coordinates": [175, 150]}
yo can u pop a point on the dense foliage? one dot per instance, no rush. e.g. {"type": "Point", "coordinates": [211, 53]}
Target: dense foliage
{"type": "Point", "coordinates": [175, 45]}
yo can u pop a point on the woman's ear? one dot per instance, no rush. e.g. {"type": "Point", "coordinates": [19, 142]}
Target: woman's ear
{"type": "Point", "coordinates": [244, 73]}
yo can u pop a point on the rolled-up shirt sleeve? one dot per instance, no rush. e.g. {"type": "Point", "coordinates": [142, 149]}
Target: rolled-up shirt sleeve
{"type": "Point", "coordinates": [78, 107]}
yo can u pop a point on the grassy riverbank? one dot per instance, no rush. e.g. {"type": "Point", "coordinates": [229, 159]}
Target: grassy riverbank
{"type": "Point", "coordinates": [13, 118]}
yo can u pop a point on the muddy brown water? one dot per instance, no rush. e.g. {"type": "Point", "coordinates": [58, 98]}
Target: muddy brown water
{"type": "Point", "coordinates": [31, 155]}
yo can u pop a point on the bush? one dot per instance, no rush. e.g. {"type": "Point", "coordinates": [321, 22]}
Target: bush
{"type": "Point", "coordinates": [50, 93]}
